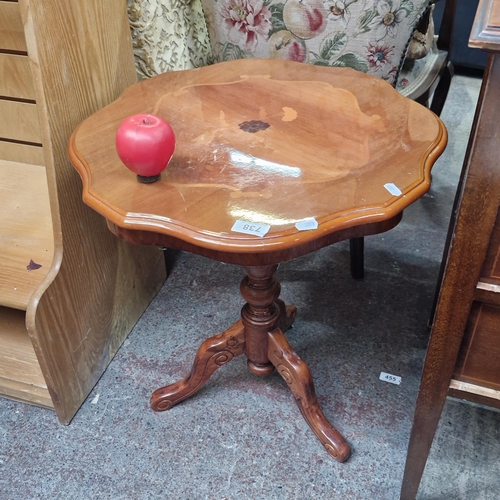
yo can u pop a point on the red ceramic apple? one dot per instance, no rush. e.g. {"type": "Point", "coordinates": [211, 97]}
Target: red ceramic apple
{"type": "Point", "coordinates": [145, 143]}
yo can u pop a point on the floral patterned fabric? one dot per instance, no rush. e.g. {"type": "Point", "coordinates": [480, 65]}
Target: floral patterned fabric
{"type": "Point", "coordinates": [368, 35]}
{"type": "Point", "coordinates": [168, 35]}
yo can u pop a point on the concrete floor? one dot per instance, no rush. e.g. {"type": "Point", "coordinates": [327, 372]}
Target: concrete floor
{"type": "Point", "coordinates": [242, 437]}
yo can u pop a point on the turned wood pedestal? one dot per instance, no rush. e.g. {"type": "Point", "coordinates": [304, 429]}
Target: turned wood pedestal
{"type": "Point", "coordinates": [273, 160]}
{"type": "Point", "coordinates": [260, 336]}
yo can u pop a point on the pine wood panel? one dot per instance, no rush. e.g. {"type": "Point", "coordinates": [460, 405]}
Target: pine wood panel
{"type": "Point", "coordinates": [21, 153]}
{"type": "Point", "coordinates": [98, 286]}
{"type": "Point", "coordinates": [11, 27]}
{"type": "Point", "coordinates": [25, 231]}
{"type": "Point", "coordinates": [15, 77]}
{"type": "Point", "coordinates": [20, 374]}
{"type": "Point", "coordinates": [19, 121]}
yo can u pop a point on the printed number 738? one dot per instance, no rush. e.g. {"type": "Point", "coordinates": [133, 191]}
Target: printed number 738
{"type": "Point", "coordinates": [248, 227]}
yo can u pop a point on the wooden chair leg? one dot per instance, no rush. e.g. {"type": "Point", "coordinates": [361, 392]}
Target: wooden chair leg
{"type": "Point", "coordinates": [442, 89]}
{"type": "Point", "coordinates": [357, 246]}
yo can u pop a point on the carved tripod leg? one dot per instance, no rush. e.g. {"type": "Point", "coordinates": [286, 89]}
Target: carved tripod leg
{"type": "Point", "coordinates": [298, 377]}
{"type": "Point", "coordinates": [212, 354]}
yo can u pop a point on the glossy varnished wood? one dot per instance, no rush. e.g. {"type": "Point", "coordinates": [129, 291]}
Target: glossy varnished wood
{"type": "Point", "coordinates": [486, 28]}
{"type": "Point", "coordinates": [259, 334]}
{"type": "Point", "coordinates": [268, 142]}
{"type": "Point", "coordinates": [477, 206]}
{"type": "Point", "coordinates": [271, 256]}
{"type": "Point", "coordinates": [296, 374]}
{"type": "Point", "coordinates": [213, 353]}
{"type": "Point", "coordinates": [335, 138]}
{"type": "Point", "coordinates": [260, 315]}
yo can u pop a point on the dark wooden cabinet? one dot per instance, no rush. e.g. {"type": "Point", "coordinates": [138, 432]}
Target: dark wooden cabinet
{"type": "Point", "coordinates": [461, 54]}
{"type": "Point", "coordinates": [463, 355]}
{"type": "Point", "coordinates": [477, 371]}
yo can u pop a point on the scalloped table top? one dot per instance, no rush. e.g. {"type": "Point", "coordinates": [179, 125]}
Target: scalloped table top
{"type": "Point", "coordinates": [266, 142]}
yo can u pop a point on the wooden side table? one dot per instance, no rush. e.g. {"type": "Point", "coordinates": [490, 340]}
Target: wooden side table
{"type": "Point", "coordinates": [471, 275]}
{"type": "Point", "coordinates": [274, 160]}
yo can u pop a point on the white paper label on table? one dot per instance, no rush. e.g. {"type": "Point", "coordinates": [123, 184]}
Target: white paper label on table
{"type": "Point", "coordinates": [393, 189]}
{"type": "Point", "coordinates": [392, 379]}
{"type": "Point", "coordinates": [243, 226]}
{"type": "Point", "coordinates": [307, 225]}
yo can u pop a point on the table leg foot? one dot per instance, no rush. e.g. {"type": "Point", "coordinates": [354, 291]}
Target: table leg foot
{"type": "Point", "coordinates": [212, 354]}
{"type": "Point", "coordinates": [298, 377]}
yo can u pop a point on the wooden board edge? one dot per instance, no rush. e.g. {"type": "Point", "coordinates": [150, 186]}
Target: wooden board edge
{"type": "Point", "coordinates": [74, 344]}
{"type": "Point", "coordinates": [25, 393]}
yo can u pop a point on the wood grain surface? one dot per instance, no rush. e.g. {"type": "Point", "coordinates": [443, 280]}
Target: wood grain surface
{"type": "Point", "coordinates": [97, 286]}
{"type": "Point", "coordinates": [21, 153]}
{"type": "Point", "coordinates": [25, 232]}
{"type": "Point", "coordinates": [15, 77]}
{"type": "Point", "coordinates": [21, 377]}
{"type": "Point", "coordinates": [21, 123]}
{"type": "Point", "coordinates": [333, 139]}
{"type": "Point", "coordinates": [477, 207]}
{"type": "Point", "coordinates": [485, 32]}
{"type": "Point", "coordinates": [11, 28]}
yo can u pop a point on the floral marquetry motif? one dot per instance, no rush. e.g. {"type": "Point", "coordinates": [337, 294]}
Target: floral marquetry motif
{"type": "Point", "coordinates": [253, 126]}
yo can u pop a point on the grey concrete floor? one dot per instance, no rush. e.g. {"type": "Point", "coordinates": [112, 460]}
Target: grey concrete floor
{"type": "Point", "coordinates": [242, 437]}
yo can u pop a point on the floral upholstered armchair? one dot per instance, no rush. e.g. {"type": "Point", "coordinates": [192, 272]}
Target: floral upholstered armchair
{"type": "Point", "coordinates": [168, 35]}
{"type": "Point", "coordinates": [391, 39]}
{"type": "Point", "coordinates": [367, 35]}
